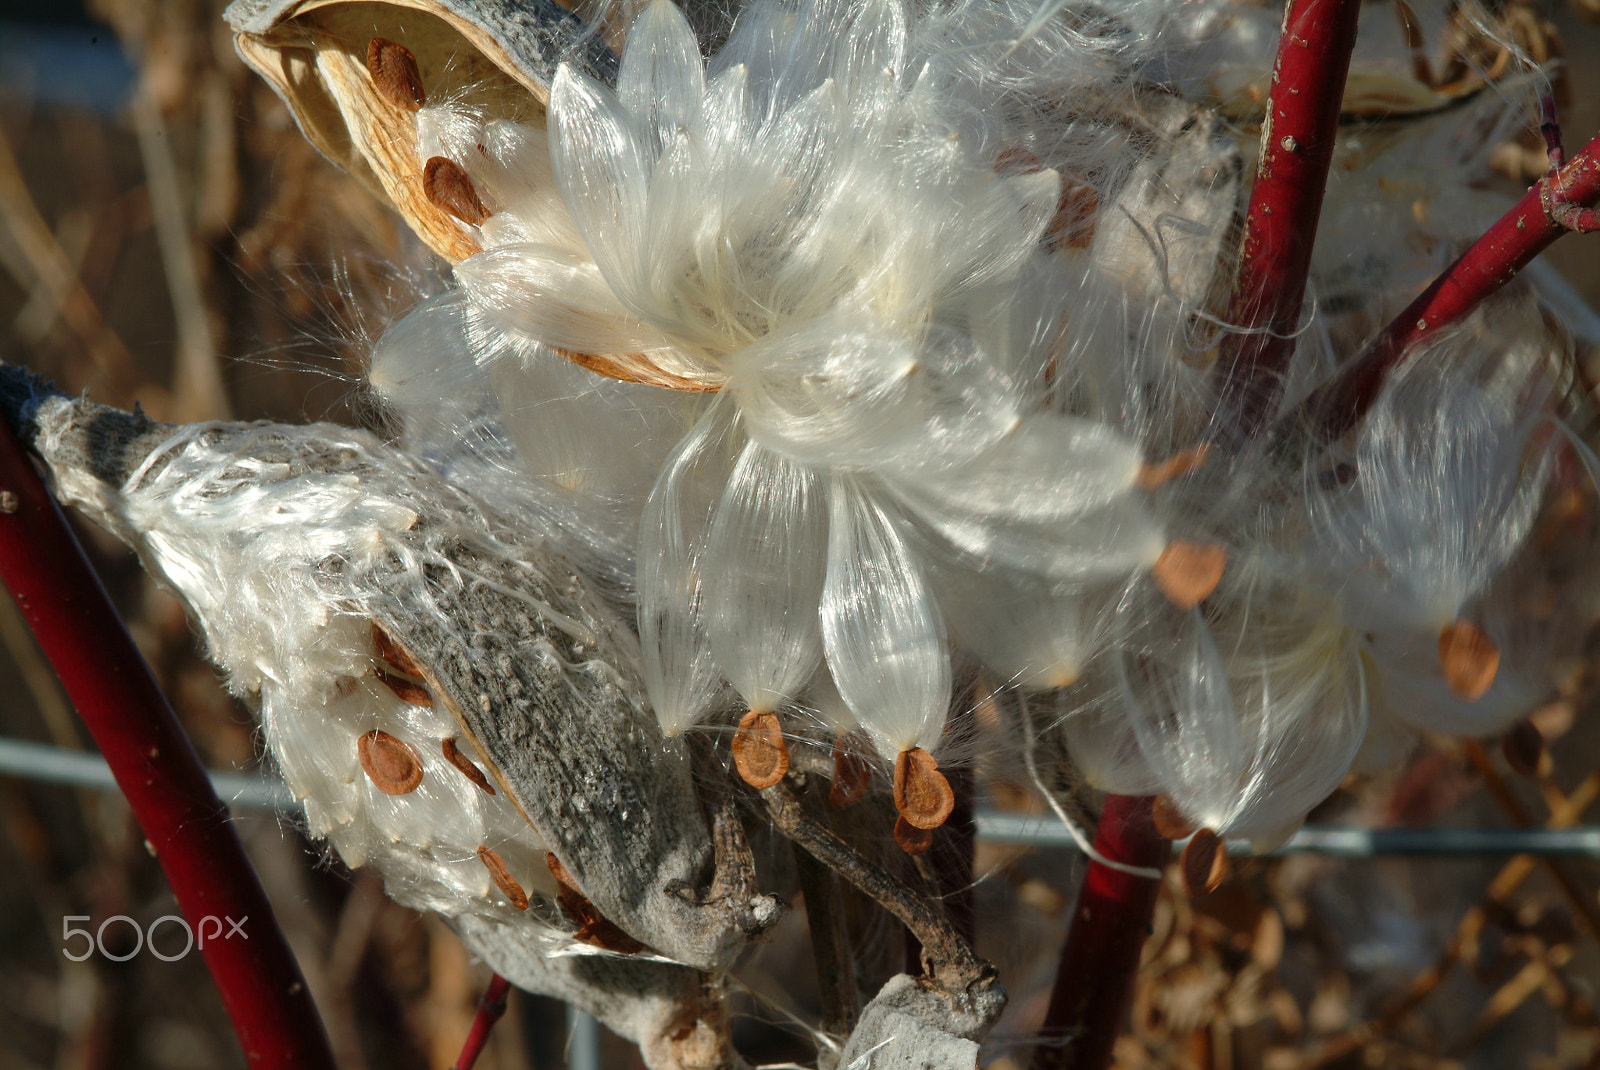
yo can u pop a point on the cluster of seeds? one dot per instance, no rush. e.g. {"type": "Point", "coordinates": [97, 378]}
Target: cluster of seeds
{"type": "Point", "coordinates": [884, 341]}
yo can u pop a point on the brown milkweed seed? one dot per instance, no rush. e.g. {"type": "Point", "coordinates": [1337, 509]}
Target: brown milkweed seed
{"type": "Point", "coordinates": [390, 763]}
{"type": "Point", "coordinates": [1204, 864]}
{"type": "Point", "coordinates": [1152, 476]}
{"type": "Point", "coordinates": [407, 690]}
{"type": "Point", "coordinates": [1523, 747]}
{"type": "Point", "coordinates": [912, 840]}
{"type": "Point", "coordinates": [394, 71]}
{"type": "Point", "coordinates": [453, 755]}
{"type": "Point", "coordinates": [406, 679]}
{"type": "Point", "coordinates": [502, 877]}
{"type": "Point", "coordinates": [1187, 572]}
{"type": "Point", "coordinates": [390, 651]}
{"type": "Point", "coordinates": [921, 793]}
{"type": "Point", "coordinates": [759, 751]}
{"type": "Point", "coordinates": [1168, 819]}
{"type": "Point", "coordinates": [450, 189]}
{"type": "Point", "coordinates": [1076, 210]}
{"type": "Point", "coordinates": [1469, 658]}
{"type": "Point", "coordinates": [851, 773]}
{"type": "Point", "coordinates": [594, 928]}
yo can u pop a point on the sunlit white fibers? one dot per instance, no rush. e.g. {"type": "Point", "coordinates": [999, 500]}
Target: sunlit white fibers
{"type": "Point", "coordinates": [1447, 484]}
{"type": "Point", "coordinates": [1250, 714]}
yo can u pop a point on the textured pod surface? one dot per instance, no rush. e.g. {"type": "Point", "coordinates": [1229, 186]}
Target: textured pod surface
{"type": "Point", "coordinates": [288, 543]}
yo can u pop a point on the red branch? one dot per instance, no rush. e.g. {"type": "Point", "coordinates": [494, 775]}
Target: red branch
{"type": "Point", "coordinates": [184, 822]}
{"type": "Point", "coordinates": [1553, 207]}
{"type": "Point", "coordinates": [490, 1008]}
{"type": "Point", "coordinates": [1094, 982]}
{"type": "Point", "coordinates": [1297, 138]}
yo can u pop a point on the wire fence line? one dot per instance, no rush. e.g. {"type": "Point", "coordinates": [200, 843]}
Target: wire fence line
{"type": "Point", "coordinates": [1046, 832]}
{"type": "Point", "coordinates": [254, 793]}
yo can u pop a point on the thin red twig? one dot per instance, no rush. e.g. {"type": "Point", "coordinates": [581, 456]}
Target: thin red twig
{"type": "Point", "coordinates": [1297, 138]}
{"type": "Point", "coordinates": [1094, 982]}
{"type": "Point", "coordinates": [1557, 204]}
{"type": "Point", "coordinates": [184, 822]}
{"type": "Point", "coordinates": [490, 1008]}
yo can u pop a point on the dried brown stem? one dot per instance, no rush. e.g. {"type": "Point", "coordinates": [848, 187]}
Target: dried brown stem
{"type": "Point", "coordinates": [947, 957]}
{"type": "Point", "coordinates": [830, 944]}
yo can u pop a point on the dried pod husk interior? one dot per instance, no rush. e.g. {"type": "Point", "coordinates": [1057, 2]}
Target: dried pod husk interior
{"type": "Point", "coordinates": [499, 62]}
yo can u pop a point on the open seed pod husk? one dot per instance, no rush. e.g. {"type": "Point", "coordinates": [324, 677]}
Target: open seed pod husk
{"type": "Point", "coordinates": [494, 56]}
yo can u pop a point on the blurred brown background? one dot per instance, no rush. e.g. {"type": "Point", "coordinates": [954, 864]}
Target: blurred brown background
{"type": "Point", "coordinates": [166, 237]}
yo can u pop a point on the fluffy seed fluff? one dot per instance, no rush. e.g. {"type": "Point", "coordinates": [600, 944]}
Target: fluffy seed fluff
{"type": "Point", "coordinates": [883, 339]}
{"type": "Point", "coordinates": [884, 332]}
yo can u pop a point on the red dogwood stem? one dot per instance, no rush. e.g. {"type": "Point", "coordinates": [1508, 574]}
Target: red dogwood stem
{"type": "Point", "coordinates": [1553, 207]}
{"type": "Point", "coordinates": [1094, 982]}
{"type": "Point", "coordinates": [1280, 224]}
{"type": "Point", "coordinates": [490, 1008]}
{"type": "Point", "coordinates": [184, 822]}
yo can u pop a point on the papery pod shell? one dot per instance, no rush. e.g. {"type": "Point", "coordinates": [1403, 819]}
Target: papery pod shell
{"type": "Point", "coordinates": [564, 735]}
{"type": "Point", "coordinates": [498, 56]}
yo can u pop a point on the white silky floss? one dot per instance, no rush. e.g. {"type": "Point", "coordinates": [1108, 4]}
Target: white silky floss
{"type": "Point", "coordinates": [955, 285]}
{"type": "Point", "coordinates": [810, 223]}
{"type": "Point", "coordinates": [275, 560]}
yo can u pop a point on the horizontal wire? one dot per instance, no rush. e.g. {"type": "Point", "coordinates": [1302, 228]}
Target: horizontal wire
{"type": "Point", "coordinates": [255, 793]}
{"type": "Point", "coordinates": [1044, 831]}
{"type": "Point", "coordinates": [85, 769]}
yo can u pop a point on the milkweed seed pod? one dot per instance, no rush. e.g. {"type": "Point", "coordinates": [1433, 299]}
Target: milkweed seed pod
{"type": "Point", "coordinates": [355, 75]}
{"type": "Point", "coordinates": [447, 696]}
{"type": "Point", "coordinates": [720, 225]}
{"type": "Point", "coordinates": [879, 335]}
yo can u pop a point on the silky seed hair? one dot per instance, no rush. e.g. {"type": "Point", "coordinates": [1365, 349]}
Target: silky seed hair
{"type": "Point", "coordinates": [270, 535]}
{"type": "Point", "coordinates": [990, 429]}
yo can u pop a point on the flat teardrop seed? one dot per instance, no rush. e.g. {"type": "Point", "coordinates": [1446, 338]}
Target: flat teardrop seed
{"type": "Point", "coordinates": [759, 752]}
{"type": "Point", "coordinates": [1523, 747]}
{"type": "Point", "coordinates": [1469, 658]}
{"type": "Point", "coordinates": [450, 189]}
{"type": "Point", "coordinates": [1204, 864]}
{"type": "Point", "coordinates": [1077, 209]}
{"type": "Point", "coordinates": [594, 928]}
{"type": "Point", "coordinates": [394, 71]}
{"type": "Point", "coordinates": [1187, 572]}
{"type": "Point", "coordinates": [1152, 476]}
{"type": "Point", "coordinates": [1169, 820]}
{"type": "Point", "coordinates": [453, 755]}
{"type": "Point", "coordinates": [391, 764]}
{"type": "Point", "coordinates": [851, 773]}
{"type": "Point", "coordinates": [912, 840]}
{"type": "Point", "coordinates": [921, 793]}
{"type": "Point", "coordinates": [502, 877]}
{"type": "Point", "coordinates": [391, 652]}
{"type": "Point", "coordinates": [404, 689]}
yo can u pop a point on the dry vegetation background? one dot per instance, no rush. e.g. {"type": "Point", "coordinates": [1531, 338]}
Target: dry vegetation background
{"type": "Point", "coordinates": [167, 238]}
